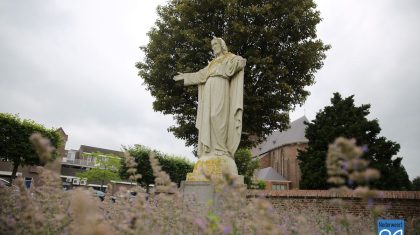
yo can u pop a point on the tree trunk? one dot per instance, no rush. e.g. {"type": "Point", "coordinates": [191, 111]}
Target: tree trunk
{"type": "Point", "coordinates": [14, 171]}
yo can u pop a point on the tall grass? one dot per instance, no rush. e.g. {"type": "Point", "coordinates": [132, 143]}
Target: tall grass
{"type": "Point", "coordinates": [47, 209]}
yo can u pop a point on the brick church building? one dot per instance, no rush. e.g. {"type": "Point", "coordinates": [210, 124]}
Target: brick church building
{"type": "Point", "coordinates": [277, 155]}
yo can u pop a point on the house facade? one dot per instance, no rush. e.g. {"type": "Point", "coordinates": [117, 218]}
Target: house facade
{"type": "Point", "coordinates": [78, 161]}
{"type": "Point", "coordinates": [279, 152]}
{"type": "Point", "coordinates": [72, 162]}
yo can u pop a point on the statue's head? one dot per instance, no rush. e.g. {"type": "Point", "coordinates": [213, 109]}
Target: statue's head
{"type": "Point", "coordinates": [219, 46]}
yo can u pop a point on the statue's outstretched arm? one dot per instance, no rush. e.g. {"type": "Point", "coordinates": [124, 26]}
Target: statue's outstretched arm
{"type": "Point", "coordinates": [179, 77]}
{"type": "Point", "coordinates": [192, 78]}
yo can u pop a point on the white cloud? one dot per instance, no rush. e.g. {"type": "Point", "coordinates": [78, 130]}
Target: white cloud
{"type": "Point", "coordinates": [71, 64]}
{"type": "Point", "coordinates": [374, 56]}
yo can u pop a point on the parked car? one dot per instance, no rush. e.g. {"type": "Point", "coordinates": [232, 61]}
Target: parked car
{"type": "Point", "coordinates": [99, 194]}
{"type": "Point", "coordinates": [131, 195]}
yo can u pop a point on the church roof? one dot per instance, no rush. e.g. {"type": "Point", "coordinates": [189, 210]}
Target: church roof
{"type": "Point", "coordinates": [270, 174]}
{"type": "Point", "coordinates": [295, 134]}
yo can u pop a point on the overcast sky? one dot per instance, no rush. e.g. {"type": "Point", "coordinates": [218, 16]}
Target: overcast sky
{"type": "Point", "coordinates": [70, 64]}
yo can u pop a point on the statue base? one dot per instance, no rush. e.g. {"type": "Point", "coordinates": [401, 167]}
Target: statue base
{"type": "Point", "coordinates": [198, 190]}
{"type": "Point", "coordinates": [198, 193]}
{"type": "Point", "coordinates": [214, 166]}
{"type": "Point", "coordinates": [202, 196]}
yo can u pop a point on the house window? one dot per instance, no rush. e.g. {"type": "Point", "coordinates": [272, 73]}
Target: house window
{"type": "Point", "coordinates": [278, 187]}
{"type": "Point", "coordinates": [71, 155]}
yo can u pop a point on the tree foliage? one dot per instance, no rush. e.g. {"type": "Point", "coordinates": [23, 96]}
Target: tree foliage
{"type": "Point", "coordinates": [278, 39]}
{"type": "Point", "coordinates": [107, 168]}
{"type": "Point", "coordinates": [246, 165]}
{"type": "Point", "coordinates": [176, 167]}
{"type": "Point", "coordinates": [14, 140]}
{"type": "Point", "coordinates": [416, 184]}
{"type": "Point", "coordinates": [343, 119]}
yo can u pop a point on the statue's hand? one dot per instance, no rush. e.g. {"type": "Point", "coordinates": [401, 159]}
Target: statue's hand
{"type": "Point", "coordinates": [178, 77]}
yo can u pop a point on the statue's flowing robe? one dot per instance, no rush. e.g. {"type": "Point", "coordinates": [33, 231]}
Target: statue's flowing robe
{"type": "Point", "coordinates": [220, 104]}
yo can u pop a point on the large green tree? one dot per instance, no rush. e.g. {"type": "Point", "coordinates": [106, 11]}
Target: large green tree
{"type": "Point", "coordinates": [278, 39]}
{"type": "Point", "coordinates": [14, 141]}
{"type": "Point", "coordinates": [176, 167]}
{"type": "Point", "coordinates": [344, 119]}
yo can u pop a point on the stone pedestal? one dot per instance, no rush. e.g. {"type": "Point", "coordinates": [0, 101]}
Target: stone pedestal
{"type": "Point", "coordinates": [202, 195]}
{"type": "Point", "coordinates": [213, 165]}
{"type": "Point", "coordinates": [198, 192]}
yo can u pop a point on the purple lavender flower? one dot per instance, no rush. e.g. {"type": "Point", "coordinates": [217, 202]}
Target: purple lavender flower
{"type": "Point", "coordinates": [227, 230]}
{"type": "Point", "coordinates": [370, 202]}
{"type": "Point", "coordinates": [365, 148]}
{"type": "Point", "coordinates": [381, 194]}
{"type": "Point", "coordinates": [345, 165]}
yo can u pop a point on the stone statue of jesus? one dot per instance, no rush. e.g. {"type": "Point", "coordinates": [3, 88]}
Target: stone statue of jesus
{"type": "Point", "coordinates": [220, 106]}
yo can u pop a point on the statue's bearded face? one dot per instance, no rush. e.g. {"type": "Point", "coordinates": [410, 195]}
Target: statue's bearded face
{"type": "Point", "coordinates": [216, 46]}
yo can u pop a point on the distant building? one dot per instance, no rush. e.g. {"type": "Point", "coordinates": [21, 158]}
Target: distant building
{"type": "Point", "coordinates": [72, 162]}
{"type": "Point", "coordinates": [273, 180]}
{"type": "Point", "coordinates": [30, 173]}
{"type": "Point", "coordinates": [278, 153]}
{"type": "Point", "coordinates": [80, 159]}
{"type": "Point", "coordinates": [77, 161]}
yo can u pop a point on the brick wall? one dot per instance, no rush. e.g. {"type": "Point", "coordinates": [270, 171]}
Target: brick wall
{"type": "Point", "coordinates": [399, 204]}
{"type": "Point", "coordinates": [264, 161]}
